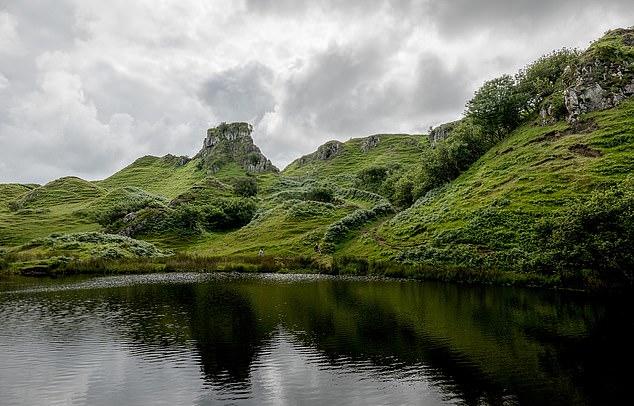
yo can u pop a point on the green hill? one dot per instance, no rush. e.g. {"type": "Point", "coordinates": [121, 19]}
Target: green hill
{"type": "Point", "coordinates": [341, 162]}
{"type": "Point", "coordinates": [167, 176]}
{"type": "Point", "coordinates": [497, 204]}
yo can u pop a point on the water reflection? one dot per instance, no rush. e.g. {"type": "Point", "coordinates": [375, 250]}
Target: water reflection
{"type": "Point", "coordinates": [203, 339]}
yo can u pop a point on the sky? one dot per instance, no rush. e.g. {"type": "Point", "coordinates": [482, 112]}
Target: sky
{"type": "Point", "coordinates": [86, 87]}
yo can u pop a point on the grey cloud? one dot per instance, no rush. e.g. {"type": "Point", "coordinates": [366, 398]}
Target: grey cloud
{"type": "Point", "coordinates": [457, 18]}
{"type": "Point", "coordinates": [242, 93]}
{"type": "Point", "coordinates": [96, 84]}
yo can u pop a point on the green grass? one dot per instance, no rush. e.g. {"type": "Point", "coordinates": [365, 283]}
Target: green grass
{"type": "Point", "coordinates": [495, 205]}
{"type": "Point", "coordinates": [160, 176]}
{"type": "Point", "coordinates": [393, 149]}
{"type": "Point", "coordinates": [63, 191]}
{"type": "Point", "coordinates": [10, 192]}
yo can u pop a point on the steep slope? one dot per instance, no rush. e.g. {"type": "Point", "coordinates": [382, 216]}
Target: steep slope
{"type": "Point", "coordinates": [490, 213]}
{"type": "Point", "coordinates": [12, 191]}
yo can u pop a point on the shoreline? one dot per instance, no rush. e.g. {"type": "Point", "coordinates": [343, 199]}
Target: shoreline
{"type": "Point", "coordinates": [336, 266]}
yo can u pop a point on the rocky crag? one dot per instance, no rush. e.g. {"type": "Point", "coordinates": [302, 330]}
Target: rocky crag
{"type": "Point", "coordinates": [233, 143]}
{"type": "Point", "coordinates": [601, 79]}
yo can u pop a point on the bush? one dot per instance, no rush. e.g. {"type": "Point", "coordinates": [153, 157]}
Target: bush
{"type": "Point", "coordinates": [447, 160]}
{"type": "Point", "coordinates": [320, 194]}
{"type": "Point", "coordinates": [246, 187]}
{"type": "Point", "coordinates": [227, 214]}
{"type": "Point", "coordinates": [371, 178]}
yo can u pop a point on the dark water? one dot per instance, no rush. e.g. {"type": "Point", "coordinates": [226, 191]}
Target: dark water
{"type": "Point", "coordinates": [227, 339]}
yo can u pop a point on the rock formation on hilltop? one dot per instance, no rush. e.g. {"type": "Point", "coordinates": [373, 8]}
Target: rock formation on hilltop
{"type": "Point", "coordinates": [603, 76]}
{"type": "Point", "coordinates": [233, 143]}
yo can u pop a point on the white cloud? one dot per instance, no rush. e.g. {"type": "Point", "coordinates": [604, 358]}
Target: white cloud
{"type": "Point", "coordinates": [88, 86]}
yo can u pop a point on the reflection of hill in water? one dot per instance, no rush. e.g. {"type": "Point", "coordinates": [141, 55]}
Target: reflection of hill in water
{"type": "Point", "coordinates": [490, 344]}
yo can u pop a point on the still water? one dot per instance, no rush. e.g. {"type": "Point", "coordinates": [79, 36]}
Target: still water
{"type": "Point", "coordinates": [199, 339]}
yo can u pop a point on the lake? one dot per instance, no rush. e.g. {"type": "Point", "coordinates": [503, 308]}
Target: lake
{"type": "Point", "coordinates": [200, 339]}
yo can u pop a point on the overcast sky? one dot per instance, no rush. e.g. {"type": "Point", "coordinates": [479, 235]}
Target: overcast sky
{"type": "Point", "coordinates": [88, 86]}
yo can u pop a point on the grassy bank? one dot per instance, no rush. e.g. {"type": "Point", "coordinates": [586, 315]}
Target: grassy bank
{"type": "Point", "coordinates": [307, 265]}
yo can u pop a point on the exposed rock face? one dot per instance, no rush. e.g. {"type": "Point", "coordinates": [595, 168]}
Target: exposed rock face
{"type": "Point", "coordinates": [325, 152]}
{"type": "Point", "coordinates": [590, 94]}
{"type": "Point", "coordinates": [604, 77]}
{"type": "Point", "coordinates": [370, 142]}
{"type": "Point", "coordinates": [328, 150]}
{"type": "Point", "coordinates": [233, 143]}
{"type": "Point", "coordinates": [441, 132]}
{"type": "Point", "coordinates": [176, 160]}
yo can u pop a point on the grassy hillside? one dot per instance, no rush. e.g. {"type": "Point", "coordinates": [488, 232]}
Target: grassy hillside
{"type": "Point", "coordinates": [167, 176]}
{"type": "Point", "coordinates": [393, 151]}
{"type": "Point", "coordinates": [311, 197]}
{"type": "Point", "coordinates": [493, 210]}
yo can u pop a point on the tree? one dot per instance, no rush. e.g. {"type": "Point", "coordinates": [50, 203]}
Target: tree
{"type": "Point", "coordinates": [496, 106]}
{"type": "Point", "coordinates": [543, 77]}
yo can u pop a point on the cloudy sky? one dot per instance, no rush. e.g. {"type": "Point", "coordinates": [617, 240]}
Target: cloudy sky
{"type": "Point", "coordinates": [88, 86]}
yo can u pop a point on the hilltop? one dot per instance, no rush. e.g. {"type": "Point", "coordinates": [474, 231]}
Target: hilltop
{"type": "Point", "coordinates": [533, 185]}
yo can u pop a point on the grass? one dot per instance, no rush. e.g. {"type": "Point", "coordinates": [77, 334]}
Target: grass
{"type": "Point", "coordinates": [536, 171]}
{"type": "Point", "coordinates": [159, 176]}
{"type": "Point", "coordinates": [401, 149]}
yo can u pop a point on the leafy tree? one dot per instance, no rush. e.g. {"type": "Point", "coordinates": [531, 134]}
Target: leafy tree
{"type": "Point", "coordinates": [543, 77]}
{"type": "Point", "coordinates": [496, 106]}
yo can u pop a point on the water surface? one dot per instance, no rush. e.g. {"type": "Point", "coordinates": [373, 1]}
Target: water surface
{"type": "Point", "coordinates": [233, 339]}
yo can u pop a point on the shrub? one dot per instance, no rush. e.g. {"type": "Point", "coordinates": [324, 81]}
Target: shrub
{"type": "Point", "coordinates": [227, 214]}
{"type": "Point", "coordinates": [448, 159]}
{"type": "Point", "coordinates": [246, 187]}
{"type": "Point", "coordinates": [320, 193]}
{"type": "Point", "coordinates": [371, 178]}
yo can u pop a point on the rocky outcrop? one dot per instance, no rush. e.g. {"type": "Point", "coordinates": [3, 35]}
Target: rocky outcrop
{"type": "Point", "coordinates": [604, 76]}
{"type": "Point", "coordinates": [370, 142]}
{"type": "Point", "coordinates": [233, 143]}
{"type": "Point", "coordinates": [325, 152]}
{"type": "Point", "coordinates": [589, 94]}
{"type": "Point", "coordinates": [176, 160]}
{"type": "Point", "coordinates": [441, 132]}
{"type": "Point", "coordinates": [329, 150]}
